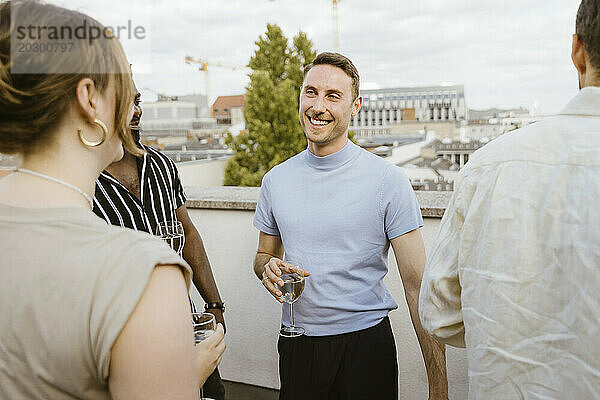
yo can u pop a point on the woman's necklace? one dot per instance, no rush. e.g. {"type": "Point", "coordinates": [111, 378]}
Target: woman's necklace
{"type": "Point", "coordinates": [75, 188]}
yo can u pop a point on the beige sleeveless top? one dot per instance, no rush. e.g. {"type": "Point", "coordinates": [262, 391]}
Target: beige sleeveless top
{"type": "Point", "coordinates": [68, 283]}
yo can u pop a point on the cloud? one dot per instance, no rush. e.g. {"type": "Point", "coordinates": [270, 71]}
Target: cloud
{"type": "Point", "coordinates": [506, 52]}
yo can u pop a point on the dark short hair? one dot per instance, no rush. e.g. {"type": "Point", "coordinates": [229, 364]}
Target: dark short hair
{"type": "Point", "coordinates": [587, 27]}
{"type": "Point", "coordinates": [340, 61]}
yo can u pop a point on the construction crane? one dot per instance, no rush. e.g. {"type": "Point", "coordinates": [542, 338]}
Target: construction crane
{"type": "Point", "coordinates": [203, 66]}
{"type": "Point", "coordinates": [161, 96]}
{"type": "Point", "coordinates": [335, 25]}
{"type": "Point", "coordinates": [335, 20]}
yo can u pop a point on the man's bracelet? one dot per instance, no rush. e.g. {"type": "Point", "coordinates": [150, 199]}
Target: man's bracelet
{"type": "Point", "coordinates": [215, 306]}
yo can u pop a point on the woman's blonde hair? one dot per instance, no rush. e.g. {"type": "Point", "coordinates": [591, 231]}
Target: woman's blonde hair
{"type": "Point", "coordinates": [35, 99]}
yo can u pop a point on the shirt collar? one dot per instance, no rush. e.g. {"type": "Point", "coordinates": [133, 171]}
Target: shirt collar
{"type": "Point", "coordinates": [348, 153]}
{"type": "Point", "coordinates": [587, 102]}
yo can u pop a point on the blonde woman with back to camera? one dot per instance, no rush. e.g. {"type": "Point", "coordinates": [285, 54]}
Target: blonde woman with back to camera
{"type": "Point", "coordinates": [87, 310]}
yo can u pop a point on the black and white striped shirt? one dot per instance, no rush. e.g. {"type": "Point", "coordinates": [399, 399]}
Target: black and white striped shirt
{"type": "Point", "coordinates": [160, 189]}
{"type": "Point", "coordinates": [161, 194]}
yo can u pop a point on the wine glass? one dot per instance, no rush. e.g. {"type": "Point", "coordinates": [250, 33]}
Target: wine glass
{"type": "Point", "coordinates": [172, 233]}
{"type": "Point", "coordinates": [293, 286]}
{"type": "Point", "coordinates": [204, 326]}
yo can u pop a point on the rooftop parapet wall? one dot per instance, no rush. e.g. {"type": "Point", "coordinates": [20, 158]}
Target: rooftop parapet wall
{"type": "Point", "coordinates": [433, 204]}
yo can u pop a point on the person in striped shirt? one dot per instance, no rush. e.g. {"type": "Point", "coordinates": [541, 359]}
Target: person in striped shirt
{"type": "Point", "coordinates": [141, 192]}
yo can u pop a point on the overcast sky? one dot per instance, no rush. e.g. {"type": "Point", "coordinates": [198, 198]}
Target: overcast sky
{"type": "Point", "coordinates": [507, 53]}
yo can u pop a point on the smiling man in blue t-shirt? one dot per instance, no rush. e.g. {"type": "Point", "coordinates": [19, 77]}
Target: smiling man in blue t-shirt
{"type": "Point", "coordinates": [335, 208]}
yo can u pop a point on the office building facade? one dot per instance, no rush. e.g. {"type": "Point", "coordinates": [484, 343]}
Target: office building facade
{"type": "Point", "coordinates": [386, 110]}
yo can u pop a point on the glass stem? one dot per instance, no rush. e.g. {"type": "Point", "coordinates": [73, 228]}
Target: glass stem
{"type": "Point", "coordinates": [292, 314]}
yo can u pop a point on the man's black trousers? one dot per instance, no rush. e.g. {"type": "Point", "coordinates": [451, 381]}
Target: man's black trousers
{"type": "Point", "coordinates": [359, 365]}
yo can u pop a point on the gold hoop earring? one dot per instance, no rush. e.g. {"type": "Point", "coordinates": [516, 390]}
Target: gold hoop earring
{"type": "Point", "coordinates": [104, 130]}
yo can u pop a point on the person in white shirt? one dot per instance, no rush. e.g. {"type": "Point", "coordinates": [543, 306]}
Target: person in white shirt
{"type": "Point", "coordinates": [514, 274]}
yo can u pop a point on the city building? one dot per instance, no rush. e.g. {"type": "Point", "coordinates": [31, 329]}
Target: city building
{"type": "Point", "coordinates": [229, 110]}
{"type": "Point", "coordinates": [477, 130]}
{"type": "Point", "coordinates": [393, 111]}
{"type": "Point", "coordinates": [493, 122]}
{"type": "Point", "coordinates": [195, 150]}
{"type": "Point", "coordinates": [455, 151]}
{"type": "Point", "coordinates": [181, 128]}
{"type": "Point", "coordinates": [497, 113]}
{"type": "Point", "coordinates": [436, 165]}
{"type": "Point", "coordinates": [201, 103]}
{"type": "Point", "coordinates": [170, 116]}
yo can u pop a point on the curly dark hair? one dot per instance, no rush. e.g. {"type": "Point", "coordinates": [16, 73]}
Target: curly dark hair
{"type": "Point", "coordinates": [587, 27]}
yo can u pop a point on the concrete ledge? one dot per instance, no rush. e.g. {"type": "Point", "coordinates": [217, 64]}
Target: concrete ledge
{"type": "Point", "coordinates": [222, 197]}
{"type": "Point", "coordinates": [433, 204]}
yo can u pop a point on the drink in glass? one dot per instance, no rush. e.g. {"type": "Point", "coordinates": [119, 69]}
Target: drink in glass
{"type": "Point", "coordinates": [293, 286]}
{"type": "Point", "coordinates": [204, 326]}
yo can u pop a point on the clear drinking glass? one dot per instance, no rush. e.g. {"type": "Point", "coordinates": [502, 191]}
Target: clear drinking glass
{"type": "Point", "coordinates": [293, 286]}
{"type": "Point", "coordinates": [204, 326]}
{"type": "Point", "coordinates": [172, 233]}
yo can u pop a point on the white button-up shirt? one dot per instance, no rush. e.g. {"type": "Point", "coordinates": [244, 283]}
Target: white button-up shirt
{"type": "Point", "coordinates": [515, 270]}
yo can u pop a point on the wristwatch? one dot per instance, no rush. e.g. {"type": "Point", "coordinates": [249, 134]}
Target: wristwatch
{"type": "Point", "coordinates": [214, 306]}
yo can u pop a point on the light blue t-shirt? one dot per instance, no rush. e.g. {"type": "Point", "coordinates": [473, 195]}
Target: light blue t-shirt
{"type": "Point", "coordinates": [336, 215]}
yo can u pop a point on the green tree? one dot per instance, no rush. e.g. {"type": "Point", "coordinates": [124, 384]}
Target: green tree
{"type": "Point", "coordinates": [271, 111]}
